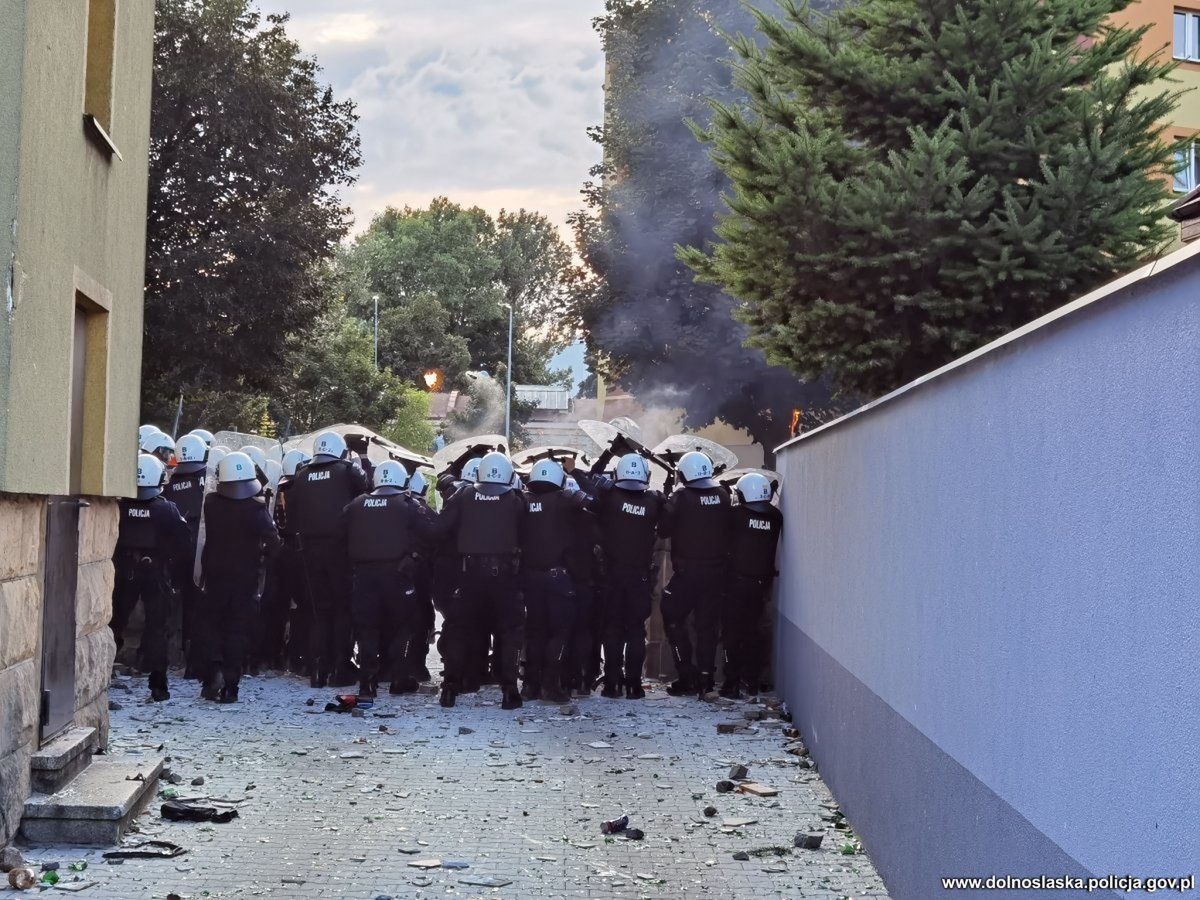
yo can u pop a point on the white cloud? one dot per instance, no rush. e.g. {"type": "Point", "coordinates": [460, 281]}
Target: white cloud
{"type": "Point", "coordinates": [484, 102]}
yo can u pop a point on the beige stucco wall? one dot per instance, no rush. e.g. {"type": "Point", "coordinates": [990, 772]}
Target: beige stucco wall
{"type": "Point", "coordinates": [80, 224]}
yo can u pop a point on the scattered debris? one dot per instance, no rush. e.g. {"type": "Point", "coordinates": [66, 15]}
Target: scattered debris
{"type": "Point", "coordinates": [426, 863]}
{"type": "Point", "coordinates": [742, 856]}
{"type": "Point", "coordinates": [758, 790]}
{"type": "Point", "coordinates": [489, 882]}
{"type": "Point", "coordinates": [710, 811]}
{"type": "Point", "coordinates": [147, 850]}
{"type": "Point", "coordinates": [808, 840]}
{"type": "Point", "coordinates": [634, 834]}
{"type": "Point", "coordinates": [10, 858]}
{"type": "Point", "coordinates": [183, 811]}
{"type": "Point", "coordinates": [613, 826]}
{"type": "Point", "coordinates": [724, 787]}
{"type": "Point", "coordinates": [21, 878]}
{"type": "Point", "coordinates": [198, 782]}
{"type": "Point", "coordinates": [738, 772]}
{"type": "Point", "coordinates": [738, 823]}
{"type": "Point", "coordinates": [463, 729]}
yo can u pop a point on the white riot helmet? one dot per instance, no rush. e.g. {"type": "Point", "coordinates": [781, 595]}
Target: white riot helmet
{"type": "Point", "coordinates": [274, 473]}
{"type": "Point", "coordinates": [633, 472]}
{"type": "Point", "coordinates": [470, 469]}
{"type": "Point", "coordinates": [191, 454]}
{"type": "Point", "coordinates": [257, 456]}
{"type": "Point", "coordinates": [236, 477]}
{"type": "Point", "coordinates": [144, 431]}
{"type": "Point", "coordinates": [275, 452]}
{"type": "Point", "coordinates": [571, 485]}
{"type": "Point", "coordinates": [159, 445]}
{"type": "Point", "coordinates": [215, 455]}
{"type": "Point", "coordinates": [204, 435]}
{"type": "Point", "coordinates": [149, 476]}
{"type": "Point", "coordinates": [495, 468]}
{"type": "Point", "coordinates": [417, 485]}
{"type": "Point", "coordinates": [292, 460]}
{"type": "Point", "coordinates": [329, 444]}
{"type": "Point", "coordinates": [696, 470]}
{"type": "Point", "coordinates": [547, 471]}
{"type": "Point", "coordinates": [391, 474]}
{"type": "Point", "coordinates": [754, 488]}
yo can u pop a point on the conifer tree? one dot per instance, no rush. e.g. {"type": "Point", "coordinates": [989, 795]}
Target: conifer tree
{"type": "Point", "coordinates": [913, 178]}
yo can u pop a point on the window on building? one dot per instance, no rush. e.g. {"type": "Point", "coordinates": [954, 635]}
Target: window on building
{"type": "Point", "coordinates": [1187, 35]}
{"type": "Point", "coordinates": [101, 49]}
{"type": "Point", "coordinates": [89, 396]}
{"type": "Point", "coordinates": [1188, 177]}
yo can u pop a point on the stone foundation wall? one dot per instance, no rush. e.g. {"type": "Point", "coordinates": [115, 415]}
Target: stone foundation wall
{"type": "Point", "coordinates": [22, 539]}
{"type": "Point", "coordinates": [94, 645]}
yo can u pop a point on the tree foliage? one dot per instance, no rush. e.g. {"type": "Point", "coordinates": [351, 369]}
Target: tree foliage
{"type": "Point", "coordinates": [912, 179]}
{"type": "Point", "coordinates": [248, 150]}
{"type": "Point", "coordinates": [443, 275]}
{"type": "Point", "coordinates": [648, 324]}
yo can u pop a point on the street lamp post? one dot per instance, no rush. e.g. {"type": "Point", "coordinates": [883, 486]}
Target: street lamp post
{"type": "Point", "coordinates": [375, 297]}
{"type": "Point", "coordinates": [508, 397]}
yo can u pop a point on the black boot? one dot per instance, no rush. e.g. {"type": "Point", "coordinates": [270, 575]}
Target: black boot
{"type": "Point", "coordinates": [731, 690]}
{"type": "Point", "coordinates": [318, 680]}
{"type": "Point", "coordinates": [449, 695]}
{"type": "Point", "coordinates": [682, 687]}
{"type": "Point", "coordinates": [366, 689]}
{"type": "Point", "coordinates": [212, 687]}
{"type": "Point", "coordinates": [158, 687]}
{"type": "Point", "coordinates": [705, 684]}
{"type": "Point", "coordinates": [403, 686]}
{"type": "Point", "coordinates": [229, 694]}
{"type": "Point", "coordinates": [511, 697]}
{"type": "Point", "coordinates": [612, 690]}
{"type": "Point", "coordinates": [530, 691]}
{"type": "Point", "coordinates": [555, 694]}
{"type": "Point", "coordinates": [635, 692]}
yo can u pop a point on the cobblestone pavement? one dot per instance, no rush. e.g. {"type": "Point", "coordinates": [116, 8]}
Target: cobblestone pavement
{"type": "Point", "coordinates": [341, 807]}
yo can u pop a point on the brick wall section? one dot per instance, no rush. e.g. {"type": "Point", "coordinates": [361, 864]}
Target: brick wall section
{"type": "Point", "coordinates": [22, 530]}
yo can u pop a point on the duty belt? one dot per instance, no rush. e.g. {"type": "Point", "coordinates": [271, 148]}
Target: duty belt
{"type": "Point", "coordinates": [492, 562]}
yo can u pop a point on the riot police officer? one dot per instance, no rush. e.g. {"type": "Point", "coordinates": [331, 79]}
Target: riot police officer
{"type": "Point", "coordinates": [628, 512]}
{"type": "Point", "coordinates": [159, 445]}
{"type": "Point", "coordinates": [547, 536]}
{"type": "Point", "coordinates": [423, 576]}
{"type": "Point", "coordinates": [186, 491]}
{"type": "Point", "coordinates": [204, 435]}
{"type": "Point", "coordinates": [697, 522]}
{"type": "Point", "coordinates": [484, 522]}
{"type": "Point", "coordinates": [756, 526]}
{"type": "Point", "coordinates": [291, 596]}
{"type": "Point", "coordinates": [316, 498]}
{"type": "Point", "coordinates": [383, 531]}
{"type": "Point", "coordinates": [239, 540]}
{"type": "Point", "coordinates": [152, 535]}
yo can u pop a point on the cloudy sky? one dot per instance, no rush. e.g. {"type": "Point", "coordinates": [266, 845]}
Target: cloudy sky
{"type": "Point", "coordinates": [483, 101]}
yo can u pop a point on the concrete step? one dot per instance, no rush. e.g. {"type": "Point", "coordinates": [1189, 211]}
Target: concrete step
{"type": "Point", "coordinates": [97, 807]}
{"type": "Point", "coordinates": [55, 764]}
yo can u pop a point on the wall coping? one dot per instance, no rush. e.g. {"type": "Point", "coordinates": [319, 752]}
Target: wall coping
{"type": "Point", "coordinates": [1106, 292]}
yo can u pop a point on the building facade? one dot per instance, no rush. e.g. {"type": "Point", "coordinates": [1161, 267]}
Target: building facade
{"type": "Point", "coordinates": [75, 90]}
{"type": "Point", "coordinates": [1174, 31]}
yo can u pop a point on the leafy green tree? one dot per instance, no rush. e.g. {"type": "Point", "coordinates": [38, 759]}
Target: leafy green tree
{"type": "Point", "coordinates": [443, 276]}
{"type": "Point", "coordinates": [913, 179]}
{"type": "Point", "coordinates": [647, 323]}
{"type": "Point", "coordinates": [248, 150]}
{"type": "Point", "coordinates": [331, 377]}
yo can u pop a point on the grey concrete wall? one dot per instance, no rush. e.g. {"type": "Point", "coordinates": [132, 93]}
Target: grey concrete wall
{"type": "Point", "coordinates": [989, 628]}
{"type": "Point", "coordinates": [81, 223]}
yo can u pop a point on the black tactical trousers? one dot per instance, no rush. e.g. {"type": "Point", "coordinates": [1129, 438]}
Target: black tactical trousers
{"type": "Point", "coordinates": [386, 619]}
{"type": "Point", "coordinates": [741, 628]}
{"type": "Point", "coordinates": [583, 649]}
{"type": "Point", "coordinates": [184, 580]}
{"type": "Point", "coordinates": [488, 592]}
{"type": "Point", "coordinates": [327, 583]}
{"type": "Point", "coordinates": [143, 578]}
{"type": "Point", "coordinates": [230, 608]}
{"type": "Point", "coordinates": [549, 614]}
{"type": "Point", "coordinates": [272, 620]}
{"type": "Point", "coordinates": [626, 608]}
{"type": "Point", "coordinates": [291, 596]}
{"type": "Point", "coordinates": [695, 589]}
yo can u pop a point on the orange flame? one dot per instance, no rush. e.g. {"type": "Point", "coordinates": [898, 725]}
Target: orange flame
{"type": "Point", "coordinates": [433, 379]}
{"type": "Point", "coordinates": [794, 428]}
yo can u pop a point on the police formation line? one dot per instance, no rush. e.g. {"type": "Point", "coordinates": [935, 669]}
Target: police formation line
{"type": "Point", "coordinates": [544, 581]}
